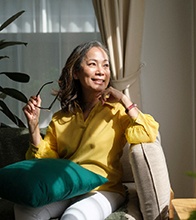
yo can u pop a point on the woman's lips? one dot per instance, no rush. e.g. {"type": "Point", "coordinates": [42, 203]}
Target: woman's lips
{"type": "Point", "coordinates": [98, 81]}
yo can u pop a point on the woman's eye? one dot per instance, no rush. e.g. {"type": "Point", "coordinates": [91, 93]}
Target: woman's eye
{"type": "Point", "coordinates": [92, 64]}
{"type": "Point", "coordinates": [106, 65]}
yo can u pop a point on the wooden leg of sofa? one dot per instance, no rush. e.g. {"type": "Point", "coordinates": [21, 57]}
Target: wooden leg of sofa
{"type": "Point", "coordinates": [171, 207]}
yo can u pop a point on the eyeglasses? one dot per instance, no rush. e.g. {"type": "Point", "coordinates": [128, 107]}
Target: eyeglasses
{"type": "Point", "coordinates": [52, 101]}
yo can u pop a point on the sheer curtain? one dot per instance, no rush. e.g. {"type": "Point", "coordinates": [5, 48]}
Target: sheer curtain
{"type": "Point", "coordinates": [52, 29]}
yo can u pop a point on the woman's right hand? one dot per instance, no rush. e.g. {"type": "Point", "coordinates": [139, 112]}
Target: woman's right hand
{"type": "Point", "coordinates": [32, 112]}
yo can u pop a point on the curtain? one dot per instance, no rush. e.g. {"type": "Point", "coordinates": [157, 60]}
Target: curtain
{"type": "Point", "coordinates": [52, 29]}
{"type": "Point", "coordinates": [121, 27]}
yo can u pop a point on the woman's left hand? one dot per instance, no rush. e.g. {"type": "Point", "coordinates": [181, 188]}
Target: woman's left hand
{"type": "Point", "coordinates": [111, 95]}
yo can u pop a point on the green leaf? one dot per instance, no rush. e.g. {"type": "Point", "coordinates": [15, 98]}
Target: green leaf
{"type": "Point", "coordinates": [2, 95]}
{"type": "Point", "coordinates": [4, 44]}
{"type": "Point", "coordinates": [16, 76]}
{"type": "Point", "coordinates": [192, 215]}
{"type": "Point", "coordinates": [14, 94]}
{"type": "Point", "coordinates": [2, 125]}
{"type": "Point", "coordinates": [10, 115]}
{"type": "Point", "coordinates": [2, 57]}
{"type": "Point", "coordinates": [10, 20]}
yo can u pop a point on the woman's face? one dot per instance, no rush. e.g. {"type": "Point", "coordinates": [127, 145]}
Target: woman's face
{"type": "Point", "coordinates": [94, 75]}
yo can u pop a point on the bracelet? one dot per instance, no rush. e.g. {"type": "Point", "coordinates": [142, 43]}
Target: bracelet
{"type": "Point", "coordinates": [133, 105]}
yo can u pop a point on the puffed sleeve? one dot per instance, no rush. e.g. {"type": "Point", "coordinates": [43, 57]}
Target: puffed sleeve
{"type": "Point", "coordinates": [143, 129]}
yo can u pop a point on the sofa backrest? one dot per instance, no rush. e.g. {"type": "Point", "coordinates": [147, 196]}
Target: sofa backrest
{"type": "Point", "coordinates": [14, 143]}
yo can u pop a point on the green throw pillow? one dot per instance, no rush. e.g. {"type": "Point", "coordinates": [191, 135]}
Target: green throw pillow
{"type": "Point", "coordinates": [38, 182]}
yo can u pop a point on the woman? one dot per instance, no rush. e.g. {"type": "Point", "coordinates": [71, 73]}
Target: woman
{"type": "Point", "coordinates": [94, 124]}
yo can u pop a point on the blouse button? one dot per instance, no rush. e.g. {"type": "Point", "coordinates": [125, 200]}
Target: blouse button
{"type": "Point", "coordinates": [92, 146]}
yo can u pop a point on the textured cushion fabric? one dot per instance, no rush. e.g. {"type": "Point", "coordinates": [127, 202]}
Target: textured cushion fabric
{"type": "Point", "coordinates": [14, 143]}
{"type": "Point", "coordinates": [151, 178]}
{"type": "Point", "coordinates": [133, 207]}
{"type": "Point", "coordinates": [6, 210]}
{"type": "Point", "coordinates": [38, 182]}
{"type": "Point", "coordinates": [127, 170]}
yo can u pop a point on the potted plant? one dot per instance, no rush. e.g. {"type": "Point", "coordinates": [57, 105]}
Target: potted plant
{"type": "Point", "coordinates": [15, 76]}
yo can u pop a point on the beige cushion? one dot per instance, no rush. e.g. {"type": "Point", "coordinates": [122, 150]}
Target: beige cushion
{"type": "Point", "coordinates": [133, 208]}
{"type": "Point", "coordinates": [151, 179]}
{"type": "Point", "coordinates": [127, 171]}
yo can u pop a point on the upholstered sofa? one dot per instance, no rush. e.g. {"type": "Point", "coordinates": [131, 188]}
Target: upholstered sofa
{"type": "Point", "coordinates": [146, 179]}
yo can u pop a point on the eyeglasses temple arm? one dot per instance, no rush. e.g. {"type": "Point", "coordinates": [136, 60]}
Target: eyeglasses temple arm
{"type": "Point", "coordinates": [53, 102]}
{"type": "Point", "coordinates": [43, 87]}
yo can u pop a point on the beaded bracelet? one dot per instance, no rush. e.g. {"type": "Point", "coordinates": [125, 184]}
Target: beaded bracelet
{"type": "Point", "coordinates": [133, 105]}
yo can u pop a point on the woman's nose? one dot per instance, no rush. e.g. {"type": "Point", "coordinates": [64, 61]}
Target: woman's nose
{"type": "Point", "coordinates": [100, 70]}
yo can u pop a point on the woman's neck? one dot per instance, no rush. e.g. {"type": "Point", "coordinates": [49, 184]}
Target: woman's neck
{"type": "Point", "coordinates": [87, 104]}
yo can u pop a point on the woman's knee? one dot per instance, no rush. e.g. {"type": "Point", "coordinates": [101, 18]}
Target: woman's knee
{"type": "Point", "coordinates": [96, 206]}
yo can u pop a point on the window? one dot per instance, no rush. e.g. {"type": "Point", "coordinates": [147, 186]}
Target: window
{"type": "Point", "coordinates": [52, 29]}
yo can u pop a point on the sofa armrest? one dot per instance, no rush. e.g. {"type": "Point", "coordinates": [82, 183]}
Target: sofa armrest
{"type": "Point", "coordinates": [151, 178]}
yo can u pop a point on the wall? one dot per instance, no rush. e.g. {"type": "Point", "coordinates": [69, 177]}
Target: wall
{"type": "Point", "coordinates": [167, 84]}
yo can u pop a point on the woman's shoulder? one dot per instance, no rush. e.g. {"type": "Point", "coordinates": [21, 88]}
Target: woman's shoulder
{"type": "Point", "coordinates": [62, 115]}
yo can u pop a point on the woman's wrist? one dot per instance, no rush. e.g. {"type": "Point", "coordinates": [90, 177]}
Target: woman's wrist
{"type": "Point", "coordinates": [125, 101]}
{"type": "Point", "coordinates": [130, 107]}
{"type": "Point", "coordinates": [34, 133]}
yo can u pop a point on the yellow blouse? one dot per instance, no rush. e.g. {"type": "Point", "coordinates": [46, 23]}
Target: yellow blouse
{"type": "Point", "coordinates": [96, 143]}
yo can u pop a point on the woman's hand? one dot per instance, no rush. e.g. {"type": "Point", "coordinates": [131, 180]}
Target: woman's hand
{"type": "Point", "coordinates": [111, 95]}
{"type": "Point", "coordinates": [32, 112]}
